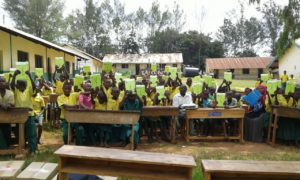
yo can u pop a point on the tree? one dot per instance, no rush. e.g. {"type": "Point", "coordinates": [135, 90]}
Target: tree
{"type": "Point", "coordinates": [242, 36]}
{"type": "Point", "coordinates": [88, 31]}
{"type": "Point", "coordinates": [271, 24]}
{"type": "Point", "coordinates": [178, 19]}
{"type": "Point", "coordinates": [130, 46]}
{"type": "Point", "coordinates": [291, 27]}
{"type": "Point", "coordinates": [42, 18]}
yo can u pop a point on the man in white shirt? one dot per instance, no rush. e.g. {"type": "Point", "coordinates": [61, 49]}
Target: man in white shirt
{"type": "Point", "coordinates": [178, 100]}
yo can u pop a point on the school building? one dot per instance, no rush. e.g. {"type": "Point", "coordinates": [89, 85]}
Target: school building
{"type": "Point", "coordinates": [241, 67]}
{"type": "Point", "coordinates": [16, 45]}
{"type": "Point", "coordinates": [289, 61]}
{"type": "Point", "coordinates": [137, 64]}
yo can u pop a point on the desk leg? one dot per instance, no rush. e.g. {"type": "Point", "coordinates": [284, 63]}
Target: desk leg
{"type": "Point", "coordinates": [241, 131]}
{"type": "Point", "coordinates": [69, 133]}
{"type": "Point", "coordinates": [274, 129]}
{"type": "Point", "coordinates": [187, 133]}
{"type": "Point", "coordinates": [21, 137]}
{"type": "Point", "coordinates": [173, 129]}
{"type": "Point", "coordinates": [270, 126]}
{"type": "Point", "coordinates": [61, 175]}
{"type": "Point", "coordinates": [132, 137]}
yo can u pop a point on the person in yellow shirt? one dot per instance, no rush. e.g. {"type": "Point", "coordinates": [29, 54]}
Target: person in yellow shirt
{"type": "Point", "coordinates": [62, 78]}
{"type": "Point", "coordinates": [113, 103]}
{"type": "Point", "coordinates": [103, 131]}
{"type": "Point", "coordinates": [284, 78]}
{"type": "Point", "coordinates": [69, 100]}
{"type": "Point", "coordinates": [23, 94]}
{"type": "Point", "coordinates": [107, 88]}
{"type": "Point", "coordinates": [38, 109]}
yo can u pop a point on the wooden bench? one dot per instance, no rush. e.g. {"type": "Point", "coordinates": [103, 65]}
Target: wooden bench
{"type": "Point", "coordinates": [15, 116]}
{"type": "Point", "coordinates": [10, 169]}
{"type": "Point", "coordinates": [123, 163]}
{"type": "Point", "coordinates": [39, 171]}
{"type": "Point", "coordinates": [102, 117]}
{"type": "Point", "coordinates": [277, 112]}
{"type": "Point", "coordinates": [250, 170]}
{"type": "Point", "coordinates": [157, 111]}
{"type": "Point", "coordinates": [217, 113]}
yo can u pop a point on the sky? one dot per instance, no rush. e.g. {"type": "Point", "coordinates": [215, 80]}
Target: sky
{"type": "Point", "coordinates": [204, 15]}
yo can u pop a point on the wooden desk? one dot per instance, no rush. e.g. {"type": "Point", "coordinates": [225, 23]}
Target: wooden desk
{"type": "Point", "coordinates": [123, 163]}
{"type": "Point", "coordinates": [277, 112]}
{"type": "Point", "coordinates": [52, 100]}
{"type": "Point", "coordinates": [250, 170]}
{"type": "Point", "coordinates": [102, 117]}
{"type": "Point", "coordinates": [217, 113]}
{"type": "Point", "coordinates": [46, 101]}
{"type": "Point", "coordinates": [157, 111]}
{"type": "Point", "coordinates": [15, 116]}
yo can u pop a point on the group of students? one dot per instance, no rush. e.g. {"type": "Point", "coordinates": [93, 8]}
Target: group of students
{"type": "Point", "coordinates": [113, 96]}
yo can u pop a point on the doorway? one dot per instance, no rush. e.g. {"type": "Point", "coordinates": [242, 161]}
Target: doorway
{"type": "Point", "coordinates": [137, 69]}
{"type": "Point", "coordinates": [1, 62]}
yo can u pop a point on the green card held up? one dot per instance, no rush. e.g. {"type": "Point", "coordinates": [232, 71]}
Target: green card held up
{"type": "Point", "coordinates": [87, 69]}
{"type": "Point", "coordinates": [12, 71]}
{"type": "Point", "coordinates": [59, 61]}
{"type": "Point", "coordinates": [272, 86]}
{"type": "Point", "coordinates": [220, 99]}
{"type": "Point", "coordinates": [130, 85]}
{"type": "Point", "coordinates": [140, 90]}
{"type": "Point", "coordinates": [107, 67]}
{"type": "Point", "coordinates": [118, 77]}
{"type": "Point", "coordinates": [95, 81]}
{"type": "Point", "coordinates": [228, 76]}
{"type": "Point", "coordinates": [197, 79]}
{"type": "Point", "coordinates": [22, 67]}
{"type": "Point", "coordinates": [290, 87]}
{"type": "Point", "coordinates": [165, 78]}
{"type": "Point", "coordinates": [167, 69]}
{"type": "Point", "coordinates": [173, 72]}
{"type": "Point", "coordinates": [197, 88]}
{"type": "Point", "coordinates": [39, 72]}
{"type": "Point", "coordinates": [153, 80]}
{"type": "Point", "coordinates": [153, 67]}
{"type": "Point", "coordinates": [78, 81]}
{"type": "Point", "coordinates": [207, 79]}
{"type": "Point", "coordinates": [264, 77]}
{"type": "Point", "coordinates": [6, 76]}
{"type": "Point", "coordinates": [161, 91]}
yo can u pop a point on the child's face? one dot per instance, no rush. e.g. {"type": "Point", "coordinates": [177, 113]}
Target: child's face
{"type": "Point", "coordinates": [115, 93]}
{"type": "Point", "coordinates": [67, 89]}
{"type": "Point", "coordinates": [62, 78]}
{"type": "Point", "coordinates": [107, 84]}
{"type": "Point", "coordinates": [189, 81]}
{"type": "Point", "coordinates": [131, 97]}
{"type": "Point", "coordinates": [205, 95]}
{"type": "Point", "coordinates": [101, 97]}
{"type": "Point", "coordinates": [87, 87]}
{"type": "Point", "coordinates": [229, 95]}
{"type": "Point", "coordinates": [21, 85]}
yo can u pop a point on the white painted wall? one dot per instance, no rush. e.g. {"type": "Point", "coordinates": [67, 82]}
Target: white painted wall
{"type": "Point", "coordinates": [291, 63]}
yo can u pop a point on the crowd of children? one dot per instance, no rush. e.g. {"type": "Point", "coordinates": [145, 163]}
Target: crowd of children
{"type": "Point", "coordinates": [112, 95]}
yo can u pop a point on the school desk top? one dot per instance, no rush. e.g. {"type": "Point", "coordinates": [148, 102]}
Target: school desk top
{"type": "Point", "coordinates": [14, 115]}
{"type": "Point", "coordinates": [215, 113]}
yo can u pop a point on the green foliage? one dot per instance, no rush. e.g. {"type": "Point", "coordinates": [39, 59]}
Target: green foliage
{"type": "Point", "coordinates": [290, 17]}
{"type": "Point", "coordinates": [194, 46]}
{"type": "Point", "coordinates": [42, 18]}
{"type": "Point", "coordinates": [241, 37]}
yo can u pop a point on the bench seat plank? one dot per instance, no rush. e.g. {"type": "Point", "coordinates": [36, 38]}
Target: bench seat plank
{"type": "Point", "coordinates": [10, 169]}
{"type": "Point", "coordinates": [39, 170]}
{"type": "Point", "coordinates": [251, 168]}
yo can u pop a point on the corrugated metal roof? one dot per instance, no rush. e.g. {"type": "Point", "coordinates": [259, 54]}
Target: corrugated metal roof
{"type": "Point", "coordinates": [82, 53]}
{"type": "Point", "coordinates": [171, 58]}
{"type": "Point", "coordinates": [38, 40]}
{"type": "Point", "coordinates": [238, 63]}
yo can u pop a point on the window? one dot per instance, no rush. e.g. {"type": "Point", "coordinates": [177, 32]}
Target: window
{"type": "Point", "coordinates": [124, 66]}
{"type": "Point", "coordinates": [67, 66]}
{"type": "Point", "coordinates": [148, 66]}
{"type": "Point", "coordinates": [22, 56]}
{"type": "Point", "coordinates": [38, 61]}
{"type": "Point", "coordinates": [246, 71]}
{"type": "Point", "coordinates": [162, 66]}
{"type": "Point", "coordinates": [174, 65]}
{"type": "Point", "coordinates": [232, 70]}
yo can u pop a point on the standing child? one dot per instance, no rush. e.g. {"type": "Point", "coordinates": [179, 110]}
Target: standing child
{"type": "Point", "coordinates": [66, 100]}
{"type": "Point", "coordinates": [59, 82]}
{"type": "Point", "coordinates": [23, 94]}
{"type": "Point", "coordinates": [230, 124]}
{"type": "Point", "coordinates": [38, 109]}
